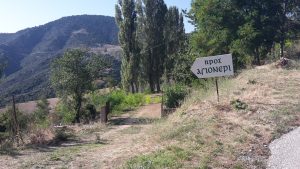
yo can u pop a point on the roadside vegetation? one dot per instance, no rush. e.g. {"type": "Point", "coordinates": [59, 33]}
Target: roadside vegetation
{"type": "Point", "coordinates": [234, 133]}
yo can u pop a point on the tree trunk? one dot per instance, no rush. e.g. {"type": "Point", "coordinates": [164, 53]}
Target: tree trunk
{"type": "Point", "coordinates": [157, 84]}
{"type": "Point", "coordinates": [151, 83]}
{"type": "Point", "coordinates": [132, 87]}
{"type": "Point", "coordinates": [137, 87]}
{"type": "Point", "coordinates": [78, 108]}
{"type": "Point", "coordinates": [282, 48]}
{"type": "Point", "coordinates": [257, 57]}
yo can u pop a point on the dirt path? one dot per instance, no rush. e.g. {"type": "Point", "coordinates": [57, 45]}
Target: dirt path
{"type": "Point", "coordinates": [125, 137]}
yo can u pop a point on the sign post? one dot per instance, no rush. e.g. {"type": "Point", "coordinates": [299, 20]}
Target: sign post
{"type": "Point", "coordinates": [217, 87]}
{"type": "Point", "coordinates": [213, 66]}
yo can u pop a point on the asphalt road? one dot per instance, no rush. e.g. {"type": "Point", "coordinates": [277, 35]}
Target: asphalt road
{"type": "Point", "coordinates": [285, 151]}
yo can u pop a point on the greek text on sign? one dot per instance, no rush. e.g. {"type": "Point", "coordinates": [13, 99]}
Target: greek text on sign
{"type": "Point", "coordinates": [213, 66]}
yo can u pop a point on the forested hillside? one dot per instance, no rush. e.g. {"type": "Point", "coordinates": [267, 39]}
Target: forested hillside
{"type": "Point", "coordinates": [28, 53]}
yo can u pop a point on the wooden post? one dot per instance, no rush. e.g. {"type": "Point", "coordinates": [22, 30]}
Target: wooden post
{"type": "Point", "coordinates": [217, 87]}
{"type": "Point", "coordinates": [104, 112]}
{"type": "Point", "coordinates": [15, 126]}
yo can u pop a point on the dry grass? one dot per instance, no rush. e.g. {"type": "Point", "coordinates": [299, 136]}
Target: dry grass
{"type": "Point", "coordinates": [220, 136]}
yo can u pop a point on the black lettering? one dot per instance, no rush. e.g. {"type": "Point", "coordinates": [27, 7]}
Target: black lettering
{"type": "Point", "coordinates": [221, 69]}
{"type": "Point", "coordinates": [215, 69]}
{"type": "Point", "coordinates": [225, 68]}
{"type": "Point", "coordinates": [199, 72]}
{"type": "Point", "coordinates": [210, 70]}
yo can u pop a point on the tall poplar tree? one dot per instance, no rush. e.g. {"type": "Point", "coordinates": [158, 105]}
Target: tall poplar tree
{"type": "Point", "coordinates": [154, 47]}
{"type": "Point", "coordinates": [126, 18]}
{"type": "Point", "coordinates": [174, 34]}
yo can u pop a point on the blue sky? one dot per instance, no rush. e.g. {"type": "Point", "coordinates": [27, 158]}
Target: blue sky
{"type": "Point", "coordinates": [16, 15]}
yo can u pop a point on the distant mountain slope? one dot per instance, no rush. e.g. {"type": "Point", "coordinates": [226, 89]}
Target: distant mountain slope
{"type": "Point", "coordinates": [29, 52]}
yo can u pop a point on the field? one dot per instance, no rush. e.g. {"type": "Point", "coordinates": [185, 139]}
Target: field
{"type": "Point", "coordinates": [30, 107]}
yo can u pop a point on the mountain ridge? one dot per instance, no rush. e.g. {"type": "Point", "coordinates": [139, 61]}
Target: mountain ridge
{"type": "Point", "coordinates": [29, 52]}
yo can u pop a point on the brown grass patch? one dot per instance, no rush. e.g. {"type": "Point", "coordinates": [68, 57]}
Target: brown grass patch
{"type": "Point", "coordinates": [220, 136]}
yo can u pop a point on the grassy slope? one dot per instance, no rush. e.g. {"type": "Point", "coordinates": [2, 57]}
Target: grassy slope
{"type": "Point", "coordinates": [215, 135]}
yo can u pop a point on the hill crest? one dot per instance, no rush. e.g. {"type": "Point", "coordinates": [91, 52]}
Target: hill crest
{"type": "Point", "coordinates": [30, 51]}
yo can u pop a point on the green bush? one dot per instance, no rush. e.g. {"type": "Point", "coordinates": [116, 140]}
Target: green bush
{"type": "Point", "coordinates": [147, 99]}
{"type": "Point", "coordinates": [134, 100]}
{"type": "Point", "coordinates": [41, 114]}
{"type": "Point", "coordinates": [239, 105]}
{"type": "Point", "coordinates": [116, 99]}
{"type": "Point", "coordinates": [65, 114]}
{"type": "Point", "coordinates": [174, 95]}
{"type": "Point", "coordinates": [97, 99]}
{"type": "Point", "coordinates": [6, 123]}
{"type": "Point", "coordinates": [122, 101]}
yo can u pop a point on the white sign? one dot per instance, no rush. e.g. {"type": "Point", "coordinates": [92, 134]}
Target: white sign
{"type": "Point", "coordinates": [213, 66]}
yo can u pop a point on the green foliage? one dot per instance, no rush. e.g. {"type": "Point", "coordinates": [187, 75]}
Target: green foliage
{"type": "Point", "coordinates": [6, 123]}
{"type": "Point", "coordinates": [126, 20]}
{"type": "Point", "coordinates": [239, 105]}
{"type": "Point", "coordinates": [97, 99]}
{"type": "Point", "coordinates": [171, 157]}
{"type": "Point", "coordinates": [64, 114]}
{"type": "Point", "coordinates": [122, 101]}
{"type": "Point", "coordinates": [41, 114]}
{"type": "Point", "coordinates": [175, 38]}
{"type": "Point", "coordinates": [72, 76]}
{"type": "Point", "coordinates": [116, 99]}
{"type": "Point", "coordinates": [246, 29]}
{"type": "Point", "coordinates": [174, 95]}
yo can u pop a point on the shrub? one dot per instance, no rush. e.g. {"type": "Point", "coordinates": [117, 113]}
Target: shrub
{"type": "Point", "coordinates": [40, 136]}
{"type": "Point", "coordinates": [64, 113]}
{"type": "Point", "coordinates": [134, 100]}
{"type": "Point", "coordinates": [6, 121]}
{"type": "Point", "coordinates": [97, 99]}
{"type": "Point", "coordinates": [41, 114]}
{"type": "Point", "coordinates": [116, 98]}
{"type": "Point", "coordinates": [174, 95]}
{"type": "Point", "coordinates": [147, 99]}
{"type": "Point", "coordinates": [239, 105]}
{"type": "Point", "coordinates": [122, 101]}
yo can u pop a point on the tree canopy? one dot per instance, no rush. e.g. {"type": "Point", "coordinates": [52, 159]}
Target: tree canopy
{"type": "Point", "coordinates": [73, 73]}
{"type": "Point", "coordinates": [150, 36]}
{"type": "Point", "coordinates": [248, 29]}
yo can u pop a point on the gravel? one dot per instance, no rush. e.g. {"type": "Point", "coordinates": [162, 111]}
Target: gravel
{"type": "Point", "coordinates": [285, 151]}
